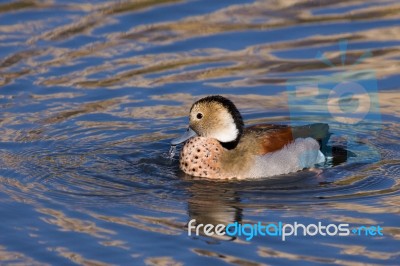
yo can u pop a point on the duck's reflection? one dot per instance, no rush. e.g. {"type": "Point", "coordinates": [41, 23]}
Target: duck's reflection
{"type": "Point", "coordinates": [219, 203]}
{"type": "Point", "coordinates": [224, 202]}
{"type": "Point", "coordinates": [212, 203]}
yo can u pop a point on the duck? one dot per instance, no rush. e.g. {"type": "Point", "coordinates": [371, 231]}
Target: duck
{"type": "Point", "coordinates": [217, 145]}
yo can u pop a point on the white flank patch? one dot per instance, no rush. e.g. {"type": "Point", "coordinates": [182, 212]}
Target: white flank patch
{"type": "Point", "coordinates": [302, 153]}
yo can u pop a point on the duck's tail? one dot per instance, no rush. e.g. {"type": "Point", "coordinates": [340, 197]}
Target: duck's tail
{"type": "Point", "coordinates": [320, 132]}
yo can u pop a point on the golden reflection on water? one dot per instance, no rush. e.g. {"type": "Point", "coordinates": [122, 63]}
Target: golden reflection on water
{"type": "Point", "coordinates": [85, 108]}
{"type": "Point", "coordinates": [64, 223]}
{"type": "Point", "coordinates": [362, 251]}
{"type": "Point", "coordinates": [271, 253]}
{"type": "Point", "coordinates": [162, 261]}
{"type": "Point", "coordinates": [150, 224]}
{"type": "Point", "coordinates": [17, 258]}
{"type": "Point", "coordinates": [226, 258]}
{"type": "Point", "coordinates": [76, 257]}
{"type": "Point", "coordinates": [250, 65]}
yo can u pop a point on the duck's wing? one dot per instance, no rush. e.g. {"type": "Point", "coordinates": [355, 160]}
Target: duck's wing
{"type": "Point", "coordinates": [261, 127]}
{"type": "Point", "coordinates": [274, 137]}
{"type": "Point", "coordinates": [269, 138]}
{"type": "Point", "coordinates": [318, 131]}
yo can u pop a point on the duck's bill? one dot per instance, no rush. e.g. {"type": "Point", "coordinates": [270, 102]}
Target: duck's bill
{"type": "Point", "coordinates": [187, 135]}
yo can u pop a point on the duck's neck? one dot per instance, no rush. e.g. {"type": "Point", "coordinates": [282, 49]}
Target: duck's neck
{"type": "Point", "coordinates": [240, 129]}
{"type": "Point", "coordinates": [231, 144]}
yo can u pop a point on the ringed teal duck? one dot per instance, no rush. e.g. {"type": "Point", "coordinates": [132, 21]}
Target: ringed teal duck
{"type": "Point", "coordinates": [218, 145]}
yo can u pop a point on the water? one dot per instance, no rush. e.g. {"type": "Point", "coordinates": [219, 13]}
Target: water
{"type": "Point", "coordinates": [92, 93]}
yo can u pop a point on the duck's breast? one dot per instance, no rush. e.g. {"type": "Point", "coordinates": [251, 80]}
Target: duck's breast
{"type": "Point", "coordinates": [201, 157]}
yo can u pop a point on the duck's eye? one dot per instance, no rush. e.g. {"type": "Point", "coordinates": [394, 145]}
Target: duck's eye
{"type": "Point", "coordinates": [199, 116]}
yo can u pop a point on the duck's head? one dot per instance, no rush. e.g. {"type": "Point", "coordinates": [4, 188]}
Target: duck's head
{"type": "Point", "coordinates": [214, 117]}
